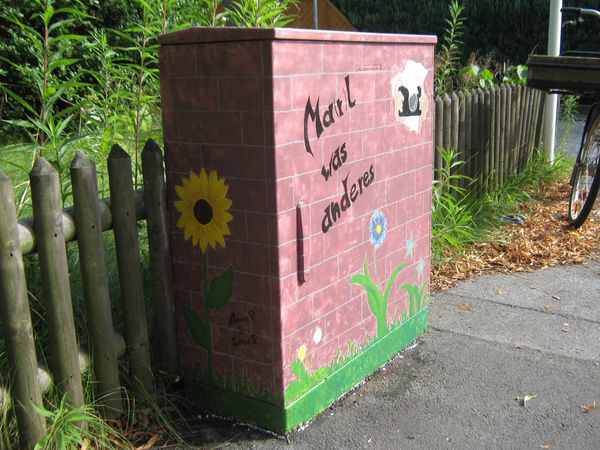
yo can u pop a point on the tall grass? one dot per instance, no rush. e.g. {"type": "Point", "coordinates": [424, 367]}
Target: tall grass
{"type": "Point", "coordinates": [71, 428]}
{"type": "Point", "coordinates": [450, 55]}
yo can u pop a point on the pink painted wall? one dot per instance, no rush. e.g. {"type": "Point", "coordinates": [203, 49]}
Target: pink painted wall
{"type": "Point", "coordinates": [235, 101]}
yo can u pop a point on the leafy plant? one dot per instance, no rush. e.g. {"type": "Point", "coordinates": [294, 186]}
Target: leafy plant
{"type": "Point", "coordinates": [473, 77]}
{"type": "Point", "coordinates": [53, 104]}
{"type": "Point", "coordinates": [70, 428]}
{"type": "Point", "coordinates": [516, 75]}
{"type": "Point", "coordinates": [212, 14]}
{"type": "Point", "coordinates": [570, 103]}
{"type": "Point", "coordinates": [448, 59]}
{"type": "Point", "coordinates": [454, 207]}
{"type": "Point", "coordinates": [260, 13]}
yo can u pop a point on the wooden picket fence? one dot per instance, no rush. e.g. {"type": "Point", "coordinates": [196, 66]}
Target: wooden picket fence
{"type": "Point", "coordinates": [47, 234]}
{"type": "Point", "coordinates": [494, 131]}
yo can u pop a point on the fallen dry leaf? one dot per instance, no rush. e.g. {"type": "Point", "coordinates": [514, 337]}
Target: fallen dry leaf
{"type": "Point", "coordinates": [549, 307]}
{"type": "Point", "coordinates": [545, 446]}
{"type": "Point", "coordinates": [565, 327]}
{"type": "Point", "coordinates": [465, 306]}
{"type": "Point", "coordinates": [587, 407]}
{"type": "Point", "coordinates": [501, 292]}
{"type": "Point", "coordinates": [524, 400]}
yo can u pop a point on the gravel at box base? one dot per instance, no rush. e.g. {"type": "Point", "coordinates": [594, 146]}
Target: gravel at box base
{"type": "Point", "coordinates": [544, 240]}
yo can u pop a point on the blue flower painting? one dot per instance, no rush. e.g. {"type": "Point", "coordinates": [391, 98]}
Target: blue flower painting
{"type": "Point", "coordinates": [378, 228]}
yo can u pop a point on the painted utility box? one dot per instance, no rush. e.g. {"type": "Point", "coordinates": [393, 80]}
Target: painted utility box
{"type": "Point", "coordinates": [299, 173]}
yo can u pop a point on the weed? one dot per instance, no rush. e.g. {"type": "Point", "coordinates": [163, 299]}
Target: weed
{"type": "Point", "coordinates": [70, 427]}
{"type": "Point", "coordinates": [455, 208]}
{"type": "Point", "coordinates": [570, 103]}
{"type": "Point", "coordinates": [449, 57]}
{"type": "Point", "coordinates": [261, 13]}
{"type": "Point", "coordinates": [460, 217]}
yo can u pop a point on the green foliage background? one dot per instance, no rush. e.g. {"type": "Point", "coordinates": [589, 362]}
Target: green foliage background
{"type": "Point", "coordinates": [506, 29]}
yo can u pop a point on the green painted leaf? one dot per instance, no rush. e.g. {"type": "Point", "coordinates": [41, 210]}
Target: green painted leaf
{"type": "Point", "coordinates": [220, 289]}
{"type": "Point", "coordinates": [390, 283]}
{"type": "Point", "coordinates": [375, 298]}
{"type": "Point", "coordinates": [413, 293]}
{"type": "Point", "coordinates": [199, 329]}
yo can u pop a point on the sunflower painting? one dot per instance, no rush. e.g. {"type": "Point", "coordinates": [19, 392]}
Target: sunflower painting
{"type": "Point", "coordinates": [204, 209]}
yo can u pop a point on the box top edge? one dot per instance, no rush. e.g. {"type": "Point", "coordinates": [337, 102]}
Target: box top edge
{"type": "Point", "coordinates": [197, 35]}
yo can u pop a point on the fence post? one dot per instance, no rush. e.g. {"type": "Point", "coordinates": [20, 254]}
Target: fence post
{"type": "Point", "coordinates": [528, 122]}
{"type": "Point", "coordinates": [447, 122]}
{"type": "Point", "coordinates": [475, 135]}
{"type": "Point", "coordinates": [488, 146]}
{"type": "Point", "coordinates": [494, 138]}
{"type": "Point", "coordinates": [503, 128]}
{"type": "Point", "coordinates": [461, 123]}
{"type": "Point", "coordinates": [130, 269]}
{"type": "Point", "coordinates": [16, 323]}
{"type": "Point", "coordinates": [95, 284]}
{"type": "Point", "coordinates": [455, 105]}
{"type": "Point", "coordinates": [508, 132]}
{"type": "Point", "coordinates": [514, 129]}
{"type": "Point", "coordinates": [520, 111]}
{"type": "Point", "coordinates": [439, 132]}
{"type": "Point", "coordinates": [51, 248]}
{"type": "Point", "coordinates": [467, 152]}
{"type": "Point", "coordinates": [454, 118]}
{"type": "Point", "coordinates": [160, 256]}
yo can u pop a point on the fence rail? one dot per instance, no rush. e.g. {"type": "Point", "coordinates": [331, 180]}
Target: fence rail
{"type": "Point", "coordinates": [47, 234]}
{"type": "Point", "coordinates": [493, 130]}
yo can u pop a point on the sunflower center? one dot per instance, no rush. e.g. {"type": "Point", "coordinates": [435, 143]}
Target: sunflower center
{"type": "Point", "coordinates": [378, 228]}
{"type": "Point", "coordinates": [203, 212]}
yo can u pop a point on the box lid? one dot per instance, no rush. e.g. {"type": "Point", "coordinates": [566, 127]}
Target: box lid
{"type": "Point", "coordinates": [196, 35]}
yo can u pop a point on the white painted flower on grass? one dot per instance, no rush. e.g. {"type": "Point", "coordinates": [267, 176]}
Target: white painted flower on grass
{"type": "Point", "coordinates": [317, 335]}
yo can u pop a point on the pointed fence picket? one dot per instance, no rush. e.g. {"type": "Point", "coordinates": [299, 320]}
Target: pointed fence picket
{"type": "Point", "coordinates": [47, 234]}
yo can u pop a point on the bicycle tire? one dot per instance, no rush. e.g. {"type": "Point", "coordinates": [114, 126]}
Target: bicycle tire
{"type": "Point", "coordinates": [585, 180]}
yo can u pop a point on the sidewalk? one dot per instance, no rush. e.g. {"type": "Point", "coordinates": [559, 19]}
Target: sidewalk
{"type": "Point", "coordinates": [514, 335]}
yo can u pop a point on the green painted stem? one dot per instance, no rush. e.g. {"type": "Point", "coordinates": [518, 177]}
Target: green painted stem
{"type": "Point", "coordinates": [382, 323]}
{"type": "Point", "coordinates": [207, 313]}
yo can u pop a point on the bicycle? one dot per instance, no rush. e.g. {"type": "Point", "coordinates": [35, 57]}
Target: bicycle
{"type": "Point", "coordinates": [576, 73]}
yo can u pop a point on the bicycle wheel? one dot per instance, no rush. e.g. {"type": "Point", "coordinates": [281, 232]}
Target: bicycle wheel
{"type": "Point", "coordinates": [585, 180]}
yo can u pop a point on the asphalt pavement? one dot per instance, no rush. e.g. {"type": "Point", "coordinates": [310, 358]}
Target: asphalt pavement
{"type": "Point", "coordinates": [509, 362]}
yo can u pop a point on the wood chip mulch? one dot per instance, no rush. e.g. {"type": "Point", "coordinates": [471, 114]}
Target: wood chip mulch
{"type": "Point", "coordinates": [544, 240]}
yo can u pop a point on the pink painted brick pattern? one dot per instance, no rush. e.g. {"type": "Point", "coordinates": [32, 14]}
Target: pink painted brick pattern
{"type": "Point", "coordinates": [242, 109]}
